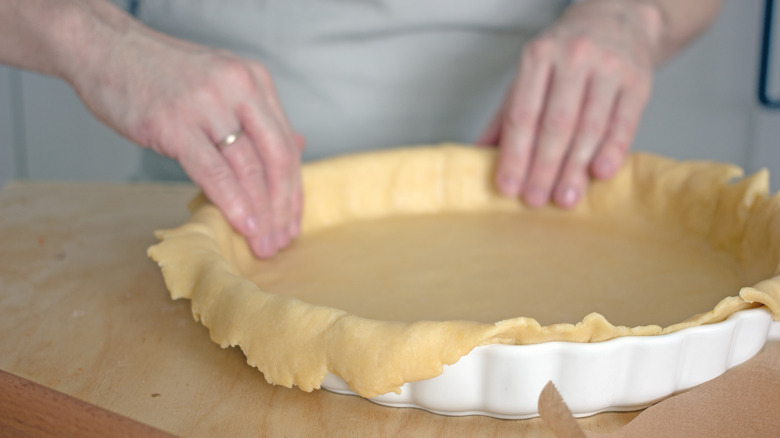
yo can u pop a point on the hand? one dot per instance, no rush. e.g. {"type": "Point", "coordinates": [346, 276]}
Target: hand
{"type": "Point", "coordinates": [576, 101]}
{"type": "Point", "coordinates": [181, 100]}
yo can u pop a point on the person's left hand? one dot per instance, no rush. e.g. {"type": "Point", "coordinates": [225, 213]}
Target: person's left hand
{"type": "Point", "coordinates": [573, 109]}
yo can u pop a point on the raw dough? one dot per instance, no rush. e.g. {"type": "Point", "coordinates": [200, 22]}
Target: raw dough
{"type": "Point", "coordinates": [409, 258]}
{"type": "Point", "coordinates": [487, 267]}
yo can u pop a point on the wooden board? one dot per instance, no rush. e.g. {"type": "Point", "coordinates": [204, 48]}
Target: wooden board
{"type": "Point", "coordinates": [85, 312]}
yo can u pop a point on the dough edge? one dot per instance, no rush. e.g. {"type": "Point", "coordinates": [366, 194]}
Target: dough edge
{"type": "Point", "coordinates": [296, 343]}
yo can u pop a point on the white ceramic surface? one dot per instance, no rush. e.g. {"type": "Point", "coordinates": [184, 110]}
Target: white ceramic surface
{"type": "Point", "coordinates": [621, 374]}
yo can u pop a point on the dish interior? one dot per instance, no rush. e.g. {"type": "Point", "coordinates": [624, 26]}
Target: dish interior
{"type": "Point", "coordinates": [553, 266]}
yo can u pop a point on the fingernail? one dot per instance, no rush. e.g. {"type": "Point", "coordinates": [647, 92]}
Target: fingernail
{"type": "Point", "coordinates": [251, 225]}
{"type": "Point", "coordinates": [569, 197]}
{"type": "Point", "coordinates": [535, 197]}
{"type": "Point", "coordinates": [509, 185]}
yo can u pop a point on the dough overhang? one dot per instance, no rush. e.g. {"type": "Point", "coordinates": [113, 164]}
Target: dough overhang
{"type": "Point", "coordinates": [295, 342]}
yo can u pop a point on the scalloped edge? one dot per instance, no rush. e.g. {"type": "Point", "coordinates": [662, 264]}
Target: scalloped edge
{"type": "Point", "coordinates": [621, 374]}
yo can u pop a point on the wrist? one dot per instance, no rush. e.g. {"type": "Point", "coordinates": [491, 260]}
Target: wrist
{"type": "Point", "coordinates": [643, 21]}
{"type": "Point", "coordinates": [653, 21]}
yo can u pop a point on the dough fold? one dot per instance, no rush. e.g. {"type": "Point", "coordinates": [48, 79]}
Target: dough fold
{"type": "Point", "coordinates": [298, 343]}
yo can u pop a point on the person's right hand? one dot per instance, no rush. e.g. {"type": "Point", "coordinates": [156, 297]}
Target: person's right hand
{"type": "Point", "coordinates": [182, 100]}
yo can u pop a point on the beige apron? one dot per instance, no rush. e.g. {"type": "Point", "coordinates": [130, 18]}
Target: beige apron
{"type": "Point", "coordinates": [361, 74]}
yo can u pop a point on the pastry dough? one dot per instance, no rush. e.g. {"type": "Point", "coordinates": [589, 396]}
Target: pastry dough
{"type": "Point", "coordinates": [486, 267]}
{"type": "Point", "coordinates": [409, 259]}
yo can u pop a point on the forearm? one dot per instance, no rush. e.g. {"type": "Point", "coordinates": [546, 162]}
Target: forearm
{"type": "Point", "coordinates": [57, 37]}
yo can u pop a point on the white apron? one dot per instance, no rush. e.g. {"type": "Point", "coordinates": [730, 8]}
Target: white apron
{"type": "Point", "coordinates": [361, 74]}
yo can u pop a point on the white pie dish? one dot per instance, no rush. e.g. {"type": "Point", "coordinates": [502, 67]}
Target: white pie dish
{"type": "Point", "coordinates": [621, 374]}
{"type": "Point", "coordinates": [698, 218]}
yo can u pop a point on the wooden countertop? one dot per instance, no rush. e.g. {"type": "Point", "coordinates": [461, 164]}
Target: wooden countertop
{"type": "Point", "coordinates": [84, 312]}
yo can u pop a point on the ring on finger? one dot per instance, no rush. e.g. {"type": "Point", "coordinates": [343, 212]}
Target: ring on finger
{"type": "Point", "coordinates": [230, 139]}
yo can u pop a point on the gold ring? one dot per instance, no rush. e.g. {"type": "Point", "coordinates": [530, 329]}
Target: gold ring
{"type": "Point", "coordinates": [230, 139]}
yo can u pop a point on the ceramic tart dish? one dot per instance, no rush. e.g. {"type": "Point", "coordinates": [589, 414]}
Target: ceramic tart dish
{"type": "Point", "coordinates": [414, 283]}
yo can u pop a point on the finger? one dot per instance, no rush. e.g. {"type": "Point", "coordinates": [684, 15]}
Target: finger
{"type": "Point", "coordinates": [265, 83]}
{"type": "Point", "coordinates": [555, 135]}
{"type": "Point", "coordinates": [249, 170]}
{"type": "Point", "coordinates": [519, 125]}
{"type": "Point", "coordinates": [597, 109]}
{"type": "Point", "coordinates": [291, 188]}
{"type": "Point", "coordinates": [620, 134]}
{"type": "Point", "coordinates": [296, 192]}
{"type": "Point", "coordinates": [280, 155]}
{"type": "Point", "coordinates": [214, 175]}
{"type": "Point", "coordinates": [290, 211]}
